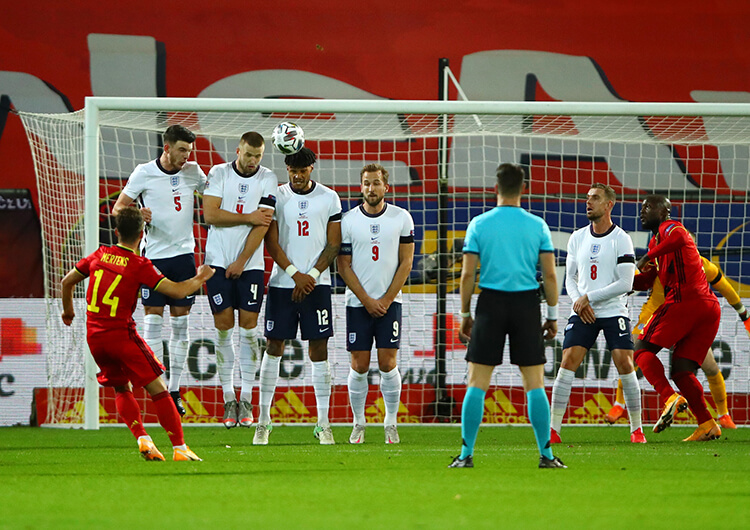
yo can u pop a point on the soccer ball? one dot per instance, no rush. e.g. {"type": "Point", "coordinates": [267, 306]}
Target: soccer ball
{"type": "Point", "coordinates": [288, 137]}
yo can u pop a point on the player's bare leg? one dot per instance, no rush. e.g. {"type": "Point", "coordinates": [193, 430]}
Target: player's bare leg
{"type": "Point", "coordinates": [623, 360]}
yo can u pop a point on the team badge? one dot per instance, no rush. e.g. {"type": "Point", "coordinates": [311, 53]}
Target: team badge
{"type": "Point", "coordinates": [595, 248]}
{"type": "Point", "coordinates": [243, 188]}
{"type": "Point", "coordinates": [218, 299]}
{"type": "Point", "coordinates": [352, 338]}
{"type": "Point", "coordinates": [269, 325]}
{"type": "Point", "coordinates": [174, 180]}
{"type": "Point", "coordinates": [375, 229]}
{"type": "Point", "coordinates": [303, 205]}
{"type": "Point", "coordinates": [145, 293]}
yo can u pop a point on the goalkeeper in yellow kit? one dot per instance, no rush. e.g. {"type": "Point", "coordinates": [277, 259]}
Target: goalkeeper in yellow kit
{"type": "Point", "coordinates": [709, 366]}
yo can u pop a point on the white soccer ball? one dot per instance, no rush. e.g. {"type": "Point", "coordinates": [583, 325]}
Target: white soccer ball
{"type": "Point", "coordinates": [288, 137]}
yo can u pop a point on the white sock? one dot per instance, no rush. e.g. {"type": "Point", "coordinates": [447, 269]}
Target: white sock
{"type": "Point", "coordinates": [225, 363]}
{"type": "Point", "coordinates": [321, 379]}
{"type": "Point", "coordinates": [178, 351]}
{"type": "Point", "coordinates": [561, 396]}
{"type": "Point", "coordinates": [249, 357]}
{"type": "Point", "coordinates": [269, 373]}
{"type": "Point", "coordinates": [358, 388]}
{"type": "Point", "coordinates": [152, 335]}
{"type": "Point", "coordinates": [390, 387]}
{"type": "Point", "coordinates": [632, 392]}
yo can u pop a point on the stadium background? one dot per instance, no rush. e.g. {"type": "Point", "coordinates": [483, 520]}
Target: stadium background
{"type": "Point", "coordinates": [674, 51]}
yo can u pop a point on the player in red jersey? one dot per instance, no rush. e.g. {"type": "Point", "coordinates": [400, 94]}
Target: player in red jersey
{"type": "Point", "coordinates": [123, 357]}
{"type": "Point", "coordinates": [688, 319]}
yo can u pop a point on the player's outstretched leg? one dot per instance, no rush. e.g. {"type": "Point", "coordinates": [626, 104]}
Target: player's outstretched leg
{"type": "Point", "coordinates": [169, 419]}
{"type": "Point", "coordinates": [130, 413]}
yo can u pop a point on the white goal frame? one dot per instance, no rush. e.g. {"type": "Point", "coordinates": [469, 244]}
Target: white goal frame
{"type": "Point", "coordinates": [94, 105]}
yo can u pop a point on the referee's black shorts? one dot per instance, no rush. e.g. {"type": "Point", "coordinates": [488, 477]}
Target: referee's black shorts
{"type": "Point", "coordinates": [501, 313]}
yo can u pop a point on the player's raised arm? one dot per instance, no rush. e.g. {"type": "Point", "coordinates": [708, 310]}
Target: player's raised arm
{"type": "Point", "coordinates": [186, 287]}
{"type": "Point", "coordinates": [69, 282]}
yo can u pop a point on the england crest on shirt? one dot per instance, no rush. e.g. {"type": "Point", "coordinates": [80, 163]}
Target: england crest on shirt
{"type": "Point", "coordinates": [243, 188]}
{"type": "Point", "coordinates": [595, 248]}
{"type": "Point", "coordinates": [375, 229]}
{"type": "Point", "coordinates": [303, 205]}
{"type": "Point", "coordinates": [174, 180]}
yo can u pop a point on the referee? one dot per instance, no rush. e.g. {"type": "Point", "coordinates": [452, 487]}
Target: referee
{"type": "Point", "coordinates": [509, 242]}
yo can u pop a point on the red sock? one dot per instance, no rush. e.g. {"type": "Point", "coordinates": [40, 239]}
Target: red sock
{"type": "Point", "coordinates": [168, 417]}
{"type": "Point", "coordinates": [653, 371]}
{"type": "Point", "coordinates": [692, 390]}
{"type": "Point", "coordinates": [130, 413]}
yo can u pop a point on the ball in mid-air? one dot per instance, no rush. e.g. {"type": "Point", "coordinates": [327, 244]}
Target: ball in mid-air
{"type": "Point", "coordinates": [288, 137]}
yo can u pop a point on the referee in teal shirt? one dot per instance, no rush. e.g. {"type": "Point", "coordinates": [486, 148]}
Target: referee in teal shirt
{"type": "Point", "coordinates": [509, 242]}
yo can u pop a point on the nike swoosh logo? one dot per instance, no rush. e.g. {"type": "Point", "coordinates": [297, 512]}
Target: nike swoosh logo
{"type": "Point", "coordinates": [322, 330]}
{"type": "Point", "coordinates": [394, 340]}
{"type": "Point", "coordinates": [624, 334]}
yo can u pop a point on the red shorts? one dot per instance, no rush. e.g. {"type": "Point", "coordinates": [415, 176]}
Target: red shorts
{"type": "Point", "coordinates": [123, 356]}
{"type": "Point", "coordinates": [690, 327]}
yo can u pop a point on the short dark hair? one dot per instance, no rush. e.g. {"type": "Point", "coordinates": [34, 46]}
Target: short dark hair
{"type": "Point", "coordinates": [374, 168]}
{"type": "Point", "coordinates": [129, 223]}
{"type": "Point", "coordinates": [253, 139]}
{"type": "Point", "coordinates": [609, 193]}
{"type": "Point", "coordinates": [302, 158]}
{"type": "Point", "coordinates": [178, 133]}
{"type": "Point", "coordinates": [510, 179]}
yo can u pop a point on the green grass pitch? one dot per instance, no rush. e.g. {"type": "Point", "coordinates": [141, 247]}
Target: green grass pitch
{"type": "Point", "coordinates": [55, 478]}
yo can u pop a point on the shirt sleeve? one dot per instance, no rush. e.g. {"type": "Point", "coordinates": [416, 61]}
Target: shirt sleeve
{"type": "Point", "coordinates": [571, 270]}
{"type": "Point", "coordinates": [84, 265]}
{"type": "Point", "coordinates": [268, 200]}
{"type": "Point", "coordinates": [334, 214]}
{"type": "Point", "coordinates": [214, 184]}
{"type": "Point", "coordinates": [135, 184]}
{"type": "Point", "coordinates": [346, 237]}
{"type": "Point", "coordinates": [148, 274]}
{"type": "Point", "coordinates": [471, 245]}
{"type": "Point", "coordinates": [202, 179]}
{"type": "Point", "coordinates": [719, 282]}
{"type": "Point", "coordinates": [407, 229]}
{"type": "Point", "coordinates": [673, 237]}
{"type": "Point", "coordinates": [546, 243]}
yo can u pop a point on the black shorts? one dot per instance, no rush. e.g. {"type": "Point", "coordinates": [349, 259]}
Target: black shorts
{"type": "Point", "coordinates": [177, 269]}
{"type": "Point", "coordinates": [616, 333]}
{"type": "Point", "coordinates": [245, 292]}
{"type": "Point", "coordinates": [362, 328]}
{"type": "Point", "coordinates": [501, 313]}
{"type": "Point", "coordinates": [313, 315]}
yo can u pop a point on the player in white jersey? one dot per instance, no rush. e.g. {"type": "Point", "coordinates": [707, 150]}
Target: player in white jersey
{"type": "Point", "coordinates": [377, 249]}
{"type": "Point", "coordinates": [599, 274]}
{"type": "Point", "coordinates": [164, 188]}
{"type": "Point", "coordinates": [238, 203]}
{"type": "Point", "coordinates": [303, 241]}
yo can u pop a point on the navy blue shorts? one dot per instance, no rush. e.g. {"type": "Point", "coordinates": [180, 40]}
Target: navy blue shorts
{"type": "Point", "coordinates": [616, 333]}
{"type": "Point", "coordinates": [177, 269]}
{"type": "Point", "coordinates": [362, 328]}
{"type": "Point", "coordinates": [313, 315]}
{"type": "Point", "coordinates": [245, 292]}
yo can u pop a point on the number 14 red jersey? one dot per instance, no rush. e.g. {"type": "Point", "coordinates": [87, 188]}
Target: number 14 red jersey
{"type": "Point", "coordinates": [116, 275]}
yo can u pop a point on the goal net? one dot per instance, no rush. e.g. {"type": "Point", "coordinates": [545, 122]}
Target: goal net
{"type": "Point", "coordinates": [442, 158]}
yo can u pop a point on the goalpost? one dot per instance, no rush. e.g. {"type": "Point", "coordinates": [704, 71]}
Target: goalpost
{"type": "Point", "coordinates": [442, 156]}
